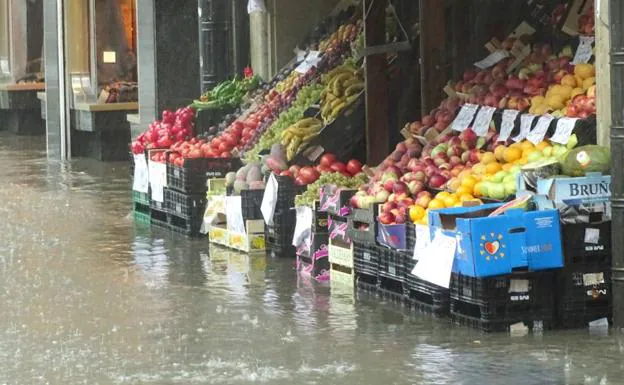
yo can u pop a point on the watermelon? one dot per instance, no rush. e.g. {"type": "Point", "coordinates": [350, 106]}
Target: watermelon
{"type": "Point", "coordinates": [586, 159]}
{"type": "Point", "coordinates": [541, 169]}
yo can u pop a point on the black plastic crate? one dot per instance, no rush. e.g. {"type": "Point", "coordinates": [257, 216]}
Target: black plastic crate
{"type": "Point", "coordinates": [251, 201]}
{"type": "Point", "coordinates": [277, 246]}
{"type": "Point", "coordinates": [368, 215]}
{"type": "Point", "coordinates": [583, 295]}
{"type": "Point", "coordinates": [577, 251]}
{"type": "Point", "coordinates": [160, 206]}
{"type": "Point", "coordinates": [459, 317]}
{"type": "Point", "coordinates": [335, 201]}
{"type": "Point", "coordinates": [391, 264]}
{"type": "Point", "coordinates": [362, 232]}
{"type": "Point", "coordinates": [185, 226]}
{"type": "Point", "coordinates": [366, 261]}
{"type": "Point", "coordinates": [425, 296]}
{"type": "Point", "coordinates": [499, 302]}
{"type": "Point", "coordinates": [184, 205]}
{"type": "Point", "coordinates": [319, 219]}
{"type": "Point", "coordinates": [159, 219]}
{"type": "Point", "coordinates": [410, 236]}
{"type": "Point", "coordinates": [192, 176]}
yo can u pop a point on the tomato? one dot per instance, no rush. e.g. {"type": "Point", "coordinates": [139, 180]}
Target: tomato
{"type": "Point", "coordinates": [224, 147]}
{"type": "Point", "coordinates": [354, 167]}
{"type": "Point", "coordinates": [229, 139]}
{"type": "Point", "coordinates": [308, 175]}
{"type": "Point", "coordinates": [294, 170]}
{"type": "Point", "coordinates": [226, 154]}
{"type": "Point", "coordinates": [216, 142]}
{"type": "Point", "coordinates": [286, 173]}
{"type": "Point", "coordinates": [338, 167]}
{"type": "Point", "coordinates": [327, 159]}
{"type": "Point", "coordinates": [238, 125]}
{"type": "Point", "coordinates": [299, 181]}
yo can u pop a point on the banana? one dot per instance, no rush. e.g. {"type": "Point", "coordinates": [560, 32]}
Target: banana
{"type": "Point", "coordinates": [336, 102]}
{"type": "Point", "coordinates": [306, 122]}
{"type": "Point", "coordinates": [351, 99]}
{"type": "Point", "coordinates": [354, 89]}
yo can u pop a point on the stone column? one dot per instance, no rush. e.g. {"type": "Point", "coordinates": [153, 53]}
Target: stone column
{"type": "Point", "coordinates": [603, 73]}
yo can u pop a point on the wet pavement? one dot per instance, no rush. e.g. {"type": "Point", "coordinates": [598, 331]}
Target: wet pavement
{"type": "Point", "coordinates": [87, 297]}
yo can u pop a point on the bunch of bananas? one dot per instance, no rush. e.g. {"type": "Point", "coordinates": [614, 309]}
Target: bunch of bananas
{"type": "Point", "coordinates": [287, 83]}
{"type": "Point", "coordinates": [343, 85]}
{"type": "Point", "coordinates": [295, 136]}
{"type": "Point", "coordinates": [345, 33]}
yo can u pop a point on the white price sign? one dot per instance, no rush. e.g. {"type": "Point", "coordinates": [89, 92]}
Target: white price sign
{"type": "Point", "coordinates": [482, 122]}
{"type": "Point", "coordinates": [565, 126]}
{"type": "Point", "coordinates": [507, 125]}
{"type": "Point", "coordinates": [234, 215]}
{"type": "Point", "coordinates": [436, 260]}
{"type": "Point", "coordinates": [157, 179]}
{"type": "Point", "coordinates": [584, 52]}
{"type": "Point", "coordinates": [464, 117]}
{"type": "Point", "coordinates": [540, 130]}
{"type": "Point", "coordinates": [141, 174]}
{"type": "Point", "coordinates": [492, 59]}
{"type": "Point", "coordinates": [269, 200]}
{"type": "Point", "coordinates": [526, 121]}
{"type": "Point", "coordinates": [423, 239]}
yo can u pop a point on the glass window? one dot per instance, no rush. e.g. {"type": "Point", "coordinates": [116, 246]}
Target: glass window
{"type": "Point", "coordinates": [5, 73]}
{"type": "Point", "coordinates": [21, 40]}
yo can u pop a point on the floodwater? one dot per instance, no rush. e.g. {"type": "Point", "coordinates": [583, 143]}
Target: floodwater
{"type": "Point", "coordinates": [87, 297]}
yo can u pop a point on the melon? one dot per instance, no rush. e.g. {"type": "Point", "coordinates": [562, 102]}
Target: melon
{"type": "Point", "coordinates": [541, 169]}
{"type": "Point", "coordinates": [586, 159]}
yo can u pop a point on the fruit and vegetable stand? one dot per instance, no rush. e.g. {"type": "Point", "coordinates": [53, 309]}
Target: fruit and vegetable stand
{"type": "Point", "coordinates": [494, 209]}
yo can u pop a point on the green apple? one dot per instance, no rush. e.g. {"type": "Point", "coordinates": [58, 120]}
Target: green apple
{"type": "Point", "coordinates": [499, 176]}
{"type": "Point", "coordinates": [548, 151]}
{"type": "Point", "coordinates": [509, 179]}
{"type": "Point", "coordinates": [497, 191]}
{"type": "Point", "coordinates": [534, 156]}
{"type": "Point", "coordinates": [510, 188]}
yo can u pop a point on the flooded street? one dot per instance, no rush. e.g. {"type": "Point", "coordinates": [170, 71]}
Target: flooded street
{"type": "Point", "coordinates": [87, 297]}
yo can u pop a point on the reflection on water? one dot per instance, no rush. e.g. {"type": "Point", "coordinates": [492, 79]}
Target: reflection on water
{"type": "Point", "coordinates": [88, 298]}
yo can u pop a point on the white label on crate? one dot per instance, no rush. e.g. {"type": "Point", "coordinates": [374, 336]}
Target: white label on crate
{"type": "Point", "coordinates": [366, 256]}
{"type": "Point", "coordinates": [436, 261]}
{"type": "Point", "coordinates": [593, 279]}
{"type": "Point", "coordinates": [540, 130]}
{"type": "Point", "coordinates": [176, 173]}
{"type": "Point", "coordinates": [303, 227]}
{"type": "Point", "coordinates": [492, 59]}
{"type": "Point", "coordinates": [481, 124]}
{"type": "Point", "coordinates": [518, 286]}
{"type": "Point", "coordinates": [584, 52]}
{"type": "Point", "coordinates": [269, 200]}
{"type": "Point", "coordinates": [234, 215]}
{"type": "Point", "coordinates": [178, 208]}
{"type": "Point", "coordinates": [507, 125]}
{"type": "Point", "coordinates": [526, 121]}
{"type": "Point", "coordinates": [141, 174]}
{"type": "Point", "coordinates": [464, 117]}
{"type": "Point", "coordinates": [423, 239]}
{"type": "Point", "coordinates": [157, 179]}
{"type": "Point", "coordinates": [391, 270]}
{"type": "Point", "coordinates": [564, 129]}
{"type": "Point", "coordinates": [592, 236]}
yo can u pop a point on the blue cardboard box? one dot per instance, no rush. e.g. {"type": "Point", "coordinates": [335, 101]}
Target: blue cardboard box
{"type": "Point", "coordinates": [491, 246]}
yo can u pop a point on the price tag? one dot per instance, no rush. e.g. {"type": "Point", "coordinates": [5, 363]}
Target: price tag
{"type": "Point", "coordinates": [423, 239]}
{"type": "Point", "coordinates": [482, 122]}
{"type": "Point", "coordinates": [584, 52]}
{"type": "Point", "coordinates": [303, 227]}
{"type": "Point", "coordinates": [157, 179]}
{"type": "Point", "coordinates": [526, 121]}
{"type": "Point", "coordinates": [464, 118]}
{"type": "Point", "coordinates": [507, 126]}
{"type": "Point", "coordinates": [141, 174]}
{"type": "Point", "coordinates": [538, 133]}
{"type": "Point", "coordinates": [492, 59]}
{"type": "Point", "coordinates": [269, 200]}
{"type": "Point", "coordinates": [565, 126]}
{"type": "Point", "coordinates": [436, 260]}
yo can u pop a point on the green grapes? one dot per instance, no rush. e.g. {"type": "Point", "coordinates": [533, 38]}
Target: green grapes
{"type": "Point", "coordinates": [329, 178]}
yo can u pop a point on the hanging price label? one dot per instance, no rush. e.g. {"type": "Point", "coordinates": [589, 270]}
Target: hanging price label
{"type": "Point", "coordinates": [565, 126]}
{"type": "Point", "coordinates": [538, 133]}
{"type": "Point", "coordinates": [140, 182]}
{"type": "Point", "coordinates": [157, 179]}
{"type": "Point", "coordinates": [492, 59]}
{"type": "Point", "coordinates": [507, 125]}
{"type": "Point", "coordinates": [481, 124]}
{"type": "Point", "coordinates": [584, 52]}
{"type": "Point", "coordinates": [526, 121]}
{"type": "Point", "coordinates": [464, 118]}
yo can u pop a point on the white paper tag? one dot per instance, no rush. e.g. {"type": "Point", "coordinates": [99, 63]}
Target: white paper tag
{"type": "Point", "coordinates": [234, 214]}
{"type": "Point", "coordinates": [526, 121]}
{"type": "Point", "coordinates": [464, 117]}
{"type": "Point", "coordinates": [592, 236]}
{"type": "Point", "coordinates": [310, 61]}
{"type": "Point", "coordinates": [435, 262]}
{"type": "Point", "coordinates": [482, 122]}
{"type": "Point", "coordinates": [593, 279]}
{"type": "Point", "coordinates": [303, 68]}
{"type": "Point", "coordinates": [565, 126]}
{"type": "Point", "coordinates": [423, 239]}
{"type": "Point", "coordinates": [157, 179]}
{"type": "Point", "coordinates": [256, 6]}
{"type": "Point", "coordinates": [540, 130]}
{"type": "Point", "coordinates": [507, 125]}
{"type": "Point", "coordinates": [269, 200]}
{"type": "Point", "coordinates": [4, 66]}
{"type": "Point", "coordinates": [584, 52]}
{"type": "Point", "coordinates": [140, 182]}
{"type": "Point", "coordinates": [303, 228]}
{"type": "Point", "coordinates": [518, 286]}
{"type": "Point", "coordinates": [492, 59]}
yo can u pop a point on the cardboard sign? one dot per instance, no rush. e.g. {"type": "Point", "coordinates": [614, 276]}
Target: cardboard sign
{"type": "Point", "coordinates": [140, 182]}
{"type": "Point", "coordinates": [436, 260]}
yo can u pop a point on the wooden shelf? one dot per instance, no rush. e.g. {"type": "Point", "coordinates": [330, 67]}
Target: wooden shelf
{"type": "Point", "coordinates": [23, 87]}
{"type": "Point", "coordinates": [104, 107]}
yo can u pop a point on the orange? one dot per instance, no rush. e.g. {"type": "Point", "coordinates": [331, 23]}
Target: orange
{"type": "Point", "coordinates": [507, 166]}
{"type": "Point", "coordinates": [499, 153]}
{"type": "Point", "coordinates": [512, 154]}
{"type": "Point", "coordinates": [436, 204]}
{"type": "Point", "coordinates": [542, 145]}
{"type": "Point", "coordinates": [469, 181]}
{"type": "Point", "coordinates": [477, 189]}
{"type": "Point", "coordinates": [450, 201]}
{"type": "Point", "coordinates": [521, 161]}
{"type": "Point", "coordinates": [416, 213]}
{"type": "Point", "coordinates": [442, 194]}
{"type": "Point", "coordinates": [466, 197]}
{"type": "Point", "coordinates": [488, 157]}
{"type": "Point", "coordinates": [493, 168]}
{"type": "Point", "coordinates": [526, 145]}
{"type": "Point", "coordinates": [464, 190]}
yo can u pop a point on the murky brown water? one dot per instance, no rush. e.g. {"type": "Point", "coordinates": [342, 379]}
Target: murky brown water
{"type": "Point", "coordinates": [88, 298]}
